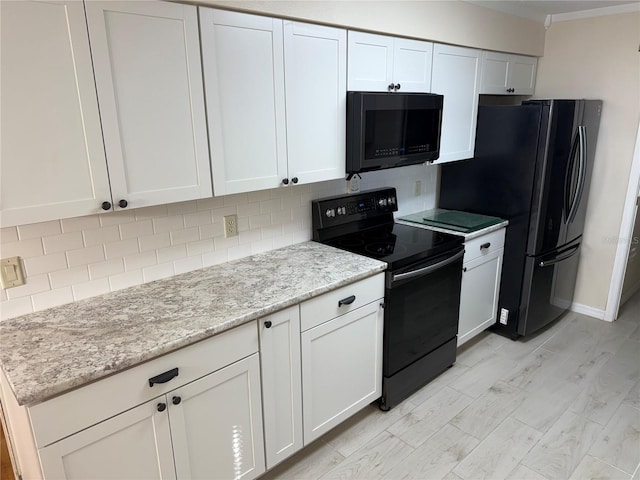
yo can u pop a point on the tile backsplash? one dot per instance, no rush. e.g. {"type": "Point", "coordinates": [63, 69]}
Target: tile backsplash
{"type": "Point", "coordinates": [77, 258]}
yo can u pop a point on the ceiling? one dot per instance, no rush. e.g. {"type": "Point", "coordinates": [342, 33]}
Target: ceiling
{"type": "Point", "coordinates": [539, 9]}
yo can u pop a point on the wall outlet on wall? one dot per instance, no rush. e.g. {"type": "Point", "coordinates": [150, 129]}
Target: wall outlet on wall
{"type": "Point", "coordinates": [504, 316]}
{"type": "Point", "coordinates": [230, 226]}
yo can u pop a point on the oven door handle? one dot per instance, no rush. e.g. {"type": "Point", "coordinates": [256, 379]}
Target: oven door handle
{"type": "Point", "coordinates": [426, 270]}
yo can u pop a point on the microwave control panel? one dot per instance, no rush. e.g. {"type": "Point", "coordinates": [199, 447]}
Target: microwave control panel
{"type": "Point", "coordinates": [343, 209]}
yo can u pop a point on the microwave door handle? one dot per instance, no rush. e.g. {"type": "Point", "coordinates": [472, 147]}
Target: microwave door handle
{"type": "Point", "coordinates": [581, 174]}
{"type": "Point", "coordinates": [426, 270]}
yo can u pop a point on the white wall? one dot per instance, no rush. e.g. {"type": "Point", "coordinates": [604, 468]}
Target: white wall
{"type": "Point", "coordinates": [446, 21]}
{"type": "Point", "coordinates": [73, 259]}
{"type": "Point", "coordinates": [598, 58]}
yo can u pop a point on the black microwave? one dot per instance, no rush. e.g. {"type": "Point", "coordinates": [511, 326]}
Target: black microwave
{"type": "Point", "coordinates": [386, 130]}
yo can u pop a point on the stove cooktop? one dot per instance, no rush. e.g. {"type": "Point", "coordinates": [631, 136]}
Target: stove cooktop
{"type": "Point", "coordinates": [396, 244]}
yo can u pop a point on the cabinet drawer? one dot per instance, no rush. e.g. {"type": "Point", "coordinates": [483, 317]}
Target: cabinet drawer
{"type": "Point", "coordinates": [78, 409]}
{"type": "Point", "coordinates": [483, 245]}
{"type": "Point", "coordinates": [327, 306]}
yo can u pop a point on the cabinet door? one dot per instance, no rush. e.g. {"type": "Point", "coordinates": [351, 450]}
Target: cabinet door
{"type": "Point", "coordinates": [341, 368]}
{"type": "Point", "coordinates": [495, 73]}
{"type": "Point", "coordinates": [51, 154]}
{"type": "Point", "coordinates": [456, 75]}
{"type": "Point", "coordinates": [412, 65]}
{"type": "Point", "coordinates": [216, 424]}
{"type": "Point", "coordinates": [522, 74]}
{"type": "Point", "coordinates": [370, 61]}
{"type": "Point", "coordinates": [147, 62]}
{"type": "Point", "coordinates": [243, 66]}
{"type": "Point", "coordinates": [316, 99]}
{"type": "Point", "coordinates": [281, 384]}
{"type": "Point", "coordinates": [479, 295]}
{"type": "Point", "coordinates": [134, 444]}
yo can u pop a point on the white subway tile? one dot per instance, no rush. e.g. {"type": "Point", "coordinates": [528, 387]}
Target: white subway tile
{"type": "Point", "coordinates": [236, 199]}
{"type": "Point", "coordinates": [85, 256]}
{"type": "Point", "coordinates": [150, 212]}
{"type": "Point", "coordinates": [169, 254]}
{"type": "Point", "coordinates": [62, 242]}
{"type": "Point", "coordinates": [301, 236]}
{"type": "Point", "coordinates": [243, 225]}
{"type": "Point", "coordinates": [156, 272]}
{"type": "Point", "coordinates": [117, 218]}
{"type": "Point", "coordinates": [34, 284]}
{"type": "Point", "coordinates": [283, 241]}
{"type": "Point", "coordinates": [138, 261]}
{"type": "Point", "coordinates": [8, 235]}
{"type": "Point", "coordinates": [272, 231]}
{"type": "Point", "coordinates": [100, 236]}
{"type": "Point", "coordinates": [3, 295]}
{"type": "Point", "coordinates": [212, 230]}
{"type": "Point", "coordinates": [248, 210]}
{"type": "Point", "coordinates": [258, 221]}
{"type": "Point", "coordinates": [249, 236]}
{"type": "Point", "coordinates": [210, 203]}
{"type": "Point", "coordinates": [291, 227]}
{"type": "Point", "coordinates": [153, 242]}
{"type": "Point", "coordinates": [300, 213]}
{"type": "Point", "coordinates": [52, 298]}
{"type": "Point", "coordinates": [15, 308]}
{"type": "Point", "coordinates": [121, 248]}
{"type": "Point", "coordinates": [168, 224]}
{"type": "Point", "coordinates": [240, 251]}
{"type": "Point", "coordinates": [292, 201]}
{"type": "Point", "coordinates": [181, 207]}
{"type": "Point", "coordinates": [23, 248]}
{"type": "Point", "coordinates": [106, 269]}
{"type": "Point", "coordinates": [188, 264]}
{"type": "Point", "coordinates": [218, 213]}
{"type": "Point", "coordinates": [197, 218]}
{"type": "Point", "coordinates": [78, 224]}
{"type": "Point", "coordinates": [215, 258]}
{"type": "Point", "coordinates": [283, 216]}
{"type": "Point", "coordinates": [259, 196]}
{"type": "Point", "coordinates": [200, 247]}
{"type": "Point", "coordinates": [36, 230]}
{"type": "Point", "coordinates": [136, 229]}
{"type": "Point", "coordinates": [273, 205]}
{"type": "Point", "coordinates": [261, 246]}
{"type": "Point", "coordinates": [125, 280]}
{"type": "Point", "coordinates": [91, 289]}
{"type": "Point", "coordinates": [222, 242]}
{"type": "Point", "coordinates": [71, 276]}
{"type": "Point", "coordinates": [45, 264]}
{"type": "Point", "coordinates": [185, 235]}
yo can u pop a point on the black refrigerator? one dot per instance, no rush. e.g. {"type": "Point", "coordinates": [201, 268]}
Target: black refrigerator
{"type": "Point", "coordinates": [532, 166]}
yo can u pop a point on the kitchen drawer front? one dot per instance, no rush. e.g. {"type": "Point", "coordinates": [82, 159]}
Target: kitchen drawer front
{"type": "Point", "coordinates": [326, 306]}
{"type": "Point", "coordinates": [477, 247]}
{"type": "Point", "coordinates": [81, 408]}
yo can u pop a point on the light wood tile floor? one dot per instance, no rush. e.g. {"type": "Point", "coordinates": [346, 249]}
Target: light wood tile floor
{"type": "Point", "coordinates": [563, 404]}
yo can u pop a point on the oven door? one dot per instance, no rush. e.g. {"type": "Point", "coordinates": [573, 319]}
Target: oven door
{"type": "Point", "coordinates": [422, 304]}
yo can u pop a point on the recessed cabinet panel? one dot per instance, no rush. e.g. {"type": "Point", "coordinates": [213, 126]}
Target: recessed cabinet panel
{"type": "Point", "coordinates": [51, 155]}
{"type": "Point", "coordinates": [370, 61]}
{"type": "Point", "coordinates": [244, 79]}
{"type": "Point", "coordinates": [412, 65]}
{"type": "Point", "coordinates": [134, 444]}
{"type": "Point", "coordinates": [148, 76]}
{"type": "Point", "coordinates": [508, 74]}
{"type": "Point", "coordinates": [316, 99]}
{"type": "Point", "coordinates": [456, 75]}
{"type": "Point", "coordinates": [523, 75]}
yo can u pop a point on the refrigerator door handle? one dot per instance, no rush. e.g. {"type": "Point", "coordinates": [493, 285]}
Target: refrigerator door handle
{"type": "Point", "coordinates": [582, 133]}
{"type": "Point", "coordinates": [570, 252]}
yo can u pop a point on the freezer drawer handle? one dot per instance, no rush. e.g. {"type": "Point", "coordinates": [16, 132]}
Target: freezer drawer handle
{"type": "Point", "coordinates": [568, 253]}
{"type": "Point", "coordinates": [347, 301]}
{"type": "Point", "coordinates": [163, 377]}
{"type": "Point", "coordinates": [485, 245]}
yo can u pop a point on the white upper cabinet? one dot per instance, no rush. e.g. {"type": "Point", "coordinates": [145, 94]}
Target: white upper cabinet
{"type": "Point", "coordinates": [456, 75]}
{"type": "Point", "coordinates": [276, 100]}
{"type": "Point", "coordinates": [316, 101]}
{"type": "Point", "coordinates": [148, 76]}
{"type": "Point", "coordinates": [378, 63]}
{"type": "Point", "coordinates": [51, 158]}
{"type": "Point", "coordinates": [508, 74]}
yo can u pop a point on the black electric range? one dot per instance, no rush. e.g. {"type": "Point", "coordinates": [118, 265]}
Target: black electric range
{"type": "Point", "coordinates": [422, 284]}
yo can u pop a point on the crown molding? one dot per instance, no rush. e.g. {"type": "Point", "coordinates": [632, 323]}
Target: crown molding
{"type": "Point", "coordinates": [595, 12]}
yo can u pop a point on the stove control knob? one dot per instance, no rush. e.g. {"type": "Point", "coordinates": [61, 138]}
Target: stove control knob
{"type": "Point", "coordinates": [342, 211]}
{"type": "Point", "coordinates": [330, 212]}
{"type": "Point", "coordinates": [382, 202]}
{"type": "Point", "coordinates": [392, 200]}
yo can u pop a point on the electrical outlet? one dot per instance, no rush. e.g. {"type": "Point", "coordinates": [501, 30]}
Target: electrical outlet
{"type": "Point", "coordinates": [230, 226]}
{"type": "Point", "coordinates": [417, 188]}
{"type": "Point", "coordinates": [12, 274]}
{"type": "Point", "coordinates": [504, 316]}
{"type": "Point", "coordinates": [353, 185]}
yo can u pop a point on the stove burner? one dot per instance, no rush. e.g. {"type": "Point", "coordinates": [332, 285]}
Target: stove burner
{"type": "Point", "coordinates": [384, 248]}
{"type": "Point", "coordinates": [376, 234]}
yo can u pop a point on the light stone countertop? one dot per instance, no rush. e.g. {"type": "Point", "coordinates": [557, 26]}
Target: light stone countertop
{"type": "Point", "coordinates": [47, 353]}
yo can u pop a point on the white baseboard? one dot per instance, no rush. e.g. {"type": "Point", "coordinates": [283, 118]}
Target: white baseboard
{"type": "Point", "coordinates": [629, 293]}
{"type": "Point", "coordinates": [587, 310]}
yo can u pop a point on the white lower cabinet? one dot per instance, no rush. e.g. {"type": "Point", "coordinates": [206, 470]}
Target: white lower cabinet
{"type": "Point", "coordinates": [481, 273]}
{"type": "Point", "coordinates": [341, 368]}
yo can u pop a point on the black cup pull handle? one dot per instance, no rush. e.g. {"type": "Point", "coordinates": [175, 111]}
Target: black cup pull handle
{"type": "Point", "coordinates": [347, 301]}
{"type": "Point", "coordinates": [268, 324]}
{"type": "Point", "coordinates": [106, 205]}
{"type": "Point", "coordinates": [123, 203]}
{"type": "Point", "coordinates": [176, 400]}
{"type": "Point", "coordinates": [163, 377]}
{"type": "Point", "coordinates": [161, 407]}
{"type": "Point", "coordinates": [485, 245]}
{"type": "Point", "coordinates": [391, 86]}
